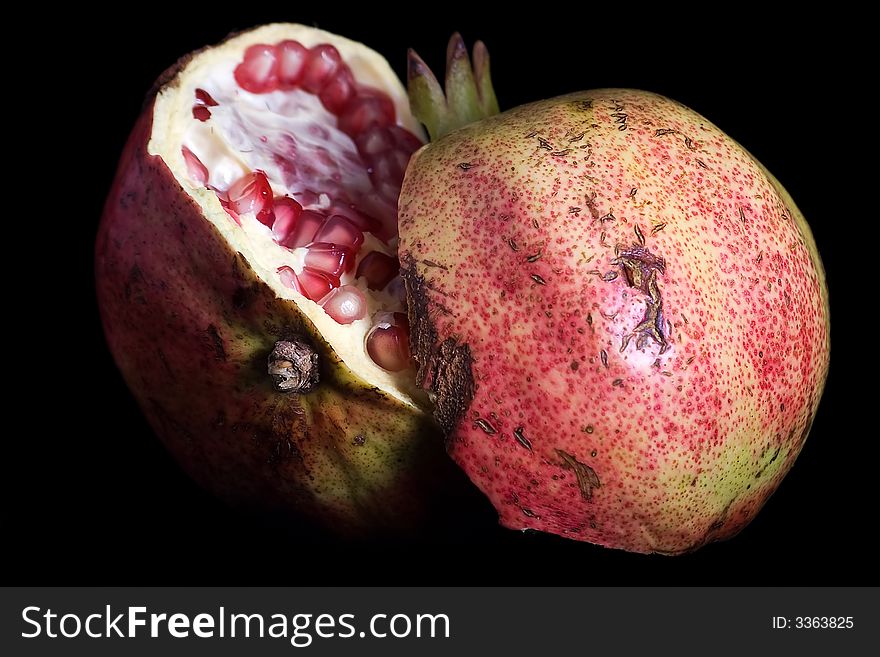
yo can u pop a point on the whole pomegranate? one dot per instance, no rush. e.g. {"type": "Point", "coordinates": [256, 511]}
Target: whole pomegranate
{"type": "Point", "coordinates": [621, 315]}
{"type": "Point", "coordinates": [248, 280]}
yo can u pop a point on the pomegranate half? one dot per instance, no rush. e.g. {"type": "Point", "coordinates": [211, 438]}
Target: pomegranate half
{"type": "Point", "coordinates": [248, 280]}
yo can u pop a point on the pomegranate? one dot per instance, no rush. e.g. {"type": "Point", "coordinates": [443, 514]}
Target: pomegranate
{"type": "Point", "coordinates": [622, 316]}
{"type": "Point", "coordinates": [248, 281]}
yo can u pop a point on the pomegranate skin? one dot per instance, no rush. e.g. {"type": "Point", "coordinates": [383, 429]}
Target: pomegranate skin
{"type": "Point", "coordinates": [191, 326]}
{"type": "Point", "coordinates": [622, 315]}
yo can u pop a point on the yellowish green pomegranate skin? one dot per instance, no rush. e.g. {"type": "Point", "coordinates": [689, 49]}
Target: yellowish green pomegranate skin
{"type": "Point", "coordinates": [622, 315]}
{"type": "Point", "coordinates": [191, 326]}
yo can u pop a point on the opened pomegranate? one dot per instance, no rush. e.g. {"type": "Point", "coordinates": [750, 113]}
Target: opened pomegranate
{"type": "Point", "coordinates": [248, 280]}
{"type": "Point", "coordinates": [622, 315]}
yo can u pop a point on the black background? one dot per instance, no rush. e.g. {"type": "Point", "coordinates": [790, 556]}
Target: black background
{"type": "Point", "coordinates": [94, 498]}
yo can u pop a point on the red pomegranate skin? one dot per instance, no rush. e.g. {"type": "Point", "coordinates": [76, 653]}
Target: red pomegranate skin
{"type": "Point", "coordinates": [191, 326]}
{"type": "Point", "coordinates": [622, 315]}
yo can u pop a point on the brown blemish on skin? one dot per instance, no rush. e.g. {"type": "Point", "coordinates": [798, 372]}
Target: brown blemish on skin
{"type": "Point", "coordinates": [521, 438]}
{"type": "Point", "coordinates": [445, 370]}
{"type": "Point", "coordinates": [719, 521]}
{"type": "Point", "coordinates": [216, 342]}
{"type": "Point", "coordinates": [133, 281]}
{"type": "Point", "coordinates": [485, 426]}
{"type": "Point", "coordinates": [526, 511]}
{"type": "Point", "coordinates": [587, 478]}
{"type": "Point", "coordinates": [640, 267]}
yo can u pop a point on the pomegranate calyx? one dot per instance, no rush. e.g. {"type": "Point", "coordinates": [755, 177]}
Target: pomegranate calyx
{"type": "Point", "coordinates": [293, 365]}
{"type": "Point", "coordinates": [469, 94]}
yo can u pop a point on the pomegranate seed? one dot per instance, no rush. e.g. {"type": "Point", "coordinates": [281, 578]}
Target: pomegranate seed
{"type": "Point", "coordinates": [315, 284]}
{"type": "Point", "coordinates": [378, 269]}
{"type": "Point", "coordinates": [291, 62]}
{"type": "Point", "coordinates": [252, 193]}
{"type": "Point", "coordinates": [404, 139]}
{"type": "Point", "coordinates": [364, 111]}
{"type": "Point", "coordinates": [397, 288]}
{"type": "Point", "coordinates": [372, 92]}
{"type": "Point", "coordinates": [364, 222]}
{"type": "Point", "coordinates": [308, 197]}
{"type": "Point", "coordinates": [304, 231]}
{"type": "Point", "coordinates": [330, 258]}
{"type": "Point", "coordinates": [338, 90]}
{"type": "Point", "coordinates": [201, 113]}
{"type": "Point", "coordinates": [375, 140]}
{"type": "Point", "coordinates": [346, 305]}
{"type": "Point", "coordinates": [401, 160]}
{"type": "Point", "coordinates": [339, 230]}
{"type": "Point", "coordinates": [288, 277]}
{"type": "Point", "coordinates": [287, 212]}
{"type": "Point", "coordinates": [385, 168]}
{"type": "Point", "coordinates": [390, 191]}
{"type": "Point", "coordinates": [224, 203]}
{"type": "Point", "coordinates": [387, 343]}
{"type": "Point", "coordinates": [258, 73]}
{"type": "Point", "coordinates": [204, 98]}
{"type": "Point", "coordinates": [321, 65]}
{"type": "Point", "coordinates": [197, 171]}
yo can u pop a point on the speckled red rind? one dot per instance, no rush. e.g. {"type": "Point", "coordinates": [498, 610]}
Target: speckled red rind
{"type": "Point", "coordinates": [583, 421]}
{"type": "Point", "coordinates": [191, 326]}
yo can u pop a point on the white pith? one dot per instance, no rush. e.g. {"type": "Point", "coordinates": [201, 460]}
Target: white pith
{"type": "Point", "coordinates": [174, 126]}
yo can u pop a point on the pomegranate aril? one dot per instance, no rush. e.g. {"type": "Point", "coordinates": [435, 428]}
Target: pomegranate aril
{"type": "Point", "coordinates": [397, 288]}
{"type": "Point", "coordinates": [331, 258]}
{"type": "Point", "coordinates": [287, 212]}
{"type": "Point", "coordinates": [390, 191]}
{"type": "Point", "coordinates": [197, 171]}
{"type": "Point", "coordinates": [224, 203]}
{"type": "Point", "coordinates": [364, 111]}
{"type": "Point", "coordinates": [258, 73]}
{"type": "Point", "coordinates": [339, 230]}
{"type": "Point", "coordinates": [363, 222]}
{"type": "Point", "coordinates": [291, 63]}
{"type": "Point", "coordinates": [387, 343]}
{"type": "Point", "coordinates": [307, 197]}
{"type": "Point", "coordinates": [401, 320]}
{"type": "Point", "coordinates": [304, 231]}
{"type": "Point", "coordinates": [288, 277]}
{"type": "Point", "coordinates": [401, 160]}
{"type": "Point", "coordinates": [378, 269]}
{"type": "Point", "coordinates": [373, 141]}
{"type": "Point", "coordinates": [346, 305]}
{"type": "Point", "coordinates": [338, 91]}
{"type": "Point", "coordinates": [321, 64]}
{"type": "Point", "coordinates": [315, 284]}
{"type": "Point", "coordinates": [204, 98]}
{"type": "Point", "coordinates": [404, 139]}
{"type": "Point", "coordinates": [252, 193]}
{"type": "Point", "coordinates": [385, 169]}
{"type": "Point", "coordinates": [201, 113]}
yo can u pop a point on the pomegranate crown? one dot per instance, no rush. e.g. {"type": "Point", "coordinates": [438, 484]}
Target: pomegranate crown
{"type": "Point", "coordinates": [469, 94]}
